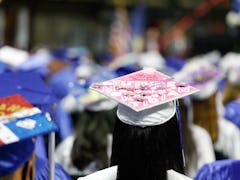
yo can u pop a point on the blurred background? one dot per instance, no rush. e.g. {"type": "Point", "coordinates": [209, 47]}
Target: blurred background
{"type": "Point", "coordinates": [54, 23]}
{"type": "Point", "coordinates": [71, 44]}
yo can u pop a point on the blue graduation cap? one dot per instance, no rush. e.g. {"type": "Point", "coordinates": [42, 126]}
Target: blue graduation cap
{"type": "Point", "coordinates": [30, 85]}
{"type": "Point", "coordinates": [19, 122]}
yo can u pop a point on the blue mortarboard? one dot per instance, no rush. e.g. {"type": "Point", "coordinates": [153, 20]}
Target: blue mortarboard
{"type": "Point", "coordinates": [30, 85]}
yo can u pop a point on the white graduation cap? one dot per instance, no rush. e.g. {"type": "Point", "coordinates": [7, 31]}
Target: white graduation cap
{"type": "Point", "coordinates": [201, 74]}
{"type": "Point", "coordinates": [146, 97]}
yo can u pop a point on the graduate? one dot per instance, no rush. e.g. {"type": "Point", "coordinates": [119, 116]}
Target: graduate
{"type": "Point", "coordinates": [25, 113]}
{"type": "Point", "coordinates": [197, 151]}
{"type": "Point", "coordinates": [85, 151]}
{"type": "Point", "coordinates": [20, 124]}
{"type": "Point", "coordinates": [147, 134]}
{"type": "Point", "coordinates": [202, 74]}
{"type": "Point", "coordinates": [92, 114]}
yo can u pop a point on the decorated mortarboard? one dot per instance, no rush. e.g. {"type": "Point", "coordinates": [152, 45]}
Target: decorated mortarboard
{"type": "Point", "coordinates": [20, 120]}
{"type": "Point", "coordinates": [202, 75]}
{"type": "Point", "coordinates": [12, 56]}
{"type": "Point", "coordinates": [143, 89]}
{"type": "Point", "coordinates": [15, 106]}
{"type": "Point", "coordinates": [146, 97]}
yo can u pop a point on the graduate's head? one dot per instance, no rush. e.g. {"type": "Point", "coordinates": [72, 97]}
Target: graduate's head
{"type": "Point", "coordinates": [146, 144]}
{"type": "Point", "coordinates": [204, 76]}
{"type": "Point", "coordinates": [20, 124]}
{"type": "Point", "coordinates": [146, 137]}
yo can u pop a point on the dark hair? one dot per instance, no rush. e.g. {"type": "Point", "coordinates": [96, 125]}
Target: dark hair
{"type": "Point", "coordinates": [146, 153]}
{"type": "Point", "coordinates": [90, 143]}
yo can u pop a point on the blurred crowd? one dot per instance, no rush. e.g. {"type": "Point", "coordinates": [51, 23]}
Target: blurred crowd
{"type": "Point", "coordinates": [85, 119]}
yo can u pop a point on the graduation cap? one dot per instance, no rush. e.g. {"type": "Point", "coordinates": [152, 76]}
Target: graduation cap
{"type": "Point", "coordinates": [145, 93]}
{"type": "Point", "coordinates": [32, 88]}
{"type": "Point", "coordinates": [19, 122]}
{"type": "Point", "coordinates": [15, 106]}
{"type": "Point", "coordinates": [143, 89]}
{"type": "Point", "coordinates": [202, 75]}
{"type": "Point", "coordinates": [146, 97]}
{"type": "Point", "coordinates": [30, 85]}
